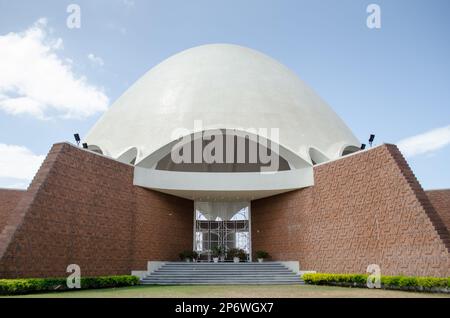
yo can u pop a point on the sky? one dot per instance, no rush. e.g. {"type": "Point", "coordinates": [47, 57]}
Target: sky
{"type": "Point", "coordinates": [393, 81]}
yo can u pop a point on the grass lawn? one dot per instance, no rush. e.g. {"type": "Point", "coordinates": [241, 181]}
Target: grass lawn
{"type": "Point", "coordinates": [241, 291]}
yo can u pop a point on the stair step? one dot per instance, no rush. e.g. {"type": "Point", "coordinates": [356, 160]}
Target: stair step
{"type": "Point", "coordinates": [295, 279]}
{"type": "Point", "coordinates": [219, 278]}
{"type": "Point", "coordinates": [225, 270]}
{"type": "Point", "coordinates": [223, 283]}
{"type": "Point", "coordinates": [223, 277]}
{"type": "Point", "coordinates": [183, 273]}
{"type": "Point", "coordinates": [226, 264]}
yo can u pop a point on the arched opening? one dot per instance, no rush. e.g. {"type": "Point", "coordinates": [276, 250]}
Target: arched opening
{"type": "Point", "coordinates": [349, 150]}
{"type": "Point", "coordinates": [230, 153]}
{"type": "Point", "coordinates": [317, 156]}
{"type": "Point", "coordinates": [161, 159]}
{"type": "Point", "coordinates": [95, 148]}
{"type": "Point", "coordinates": [128, 156]}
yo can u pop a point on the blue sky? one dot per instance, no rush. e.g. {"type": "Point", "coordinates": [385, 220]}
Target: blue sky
{"type": "Point", "coordinates": [393, 81]}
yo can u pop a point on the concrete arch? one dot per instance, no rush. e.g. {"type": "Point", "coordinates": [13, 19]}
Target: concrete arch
{"type": "Point", "coordinates": [129, 156]}
{"type": "Point", "coordinates": [294, 161]}
{"type": "Point", "coordinates": [317, 156]}
{"type": "Point", "coordinates": [96, 149]}
{"type": "Point", "coordinates": [349, 149]}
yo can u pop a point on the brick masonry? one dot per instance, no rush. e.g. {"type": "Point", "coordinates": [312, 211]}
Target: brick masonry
{"type": "Point", "coordinates": [8, 201]}
{"type": "Point", "coordinates": [367, 208]}
{"type": "Point", "coordinates": [82, 208]}
{"type": "Point", "coordinates": [440, 199]}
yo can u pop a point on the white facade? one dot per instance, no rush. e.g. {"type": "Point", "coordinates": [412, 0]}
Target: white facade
{"type": "Point", "coordinates": [225, 87]}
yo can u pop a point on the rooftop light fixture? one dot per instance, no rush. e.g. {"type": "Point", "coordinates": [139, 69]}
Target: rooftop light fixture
{"type": "Point", "coordinates": [77, 139]}
{"type": "Point", "coordinates": [371, 138]}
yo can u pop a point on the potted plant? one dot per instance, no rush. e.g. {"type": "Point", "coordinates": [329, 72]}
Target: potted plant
{"type": "Point", "coordinates": [233, 253]}
{"type": "Point", "coordinates": [242, 255]}
{"type": "Point", "coordinates": [194, 256]}
{"type": "Point", "coordinates": [187, 256]}
{"type": "Point", "coordinates": [261, 255]}
{"type": "Point", "coordinates": [184, 256]}
{"type": "Point", "coordinates": [216, 253]}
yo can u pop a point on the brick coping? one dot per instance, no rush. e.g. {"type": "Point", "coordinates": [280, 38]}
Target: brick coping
{"type": "Point", "coordinates": [91, 152]}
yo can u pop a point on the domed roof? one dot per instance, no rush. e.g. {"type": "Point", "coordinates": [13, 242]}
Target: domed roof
{"type": "Point", "coordinates": [224, 86]}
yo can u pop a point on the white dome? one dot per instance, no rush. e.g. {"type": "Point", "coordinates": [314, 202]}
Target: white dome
{"type": "Point", "coordinates": [224, 86]}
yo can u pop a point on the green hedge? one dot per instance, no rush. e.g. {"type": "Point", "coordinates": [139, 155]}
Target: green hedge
{"type": "Point", "coordinates": [387, 282]}
{"type": "Point", "coordinates": [38, 285]}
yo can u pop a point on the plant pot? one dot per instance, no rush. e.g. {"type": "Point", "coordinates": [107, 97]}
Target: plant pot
{"type": "Point", "coordinates": [187, 260]}
{"type": "Point", "coordinates": [215, 259]}
{"type": "Point", "coordinates": [236, 259]}
{"type": "Point", "coordinates": [260, 260]}
{"type": "Point", "coordinates": [222, 258]}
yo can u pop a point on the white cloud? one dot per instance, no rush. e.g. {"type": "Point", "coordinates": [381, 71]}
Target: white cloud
{"type": "Point", "coordinates": [34, 80]}
{"type": "Point", "coordinates": [18, 163]}
{"type": "Point", "coordinates": [425, 143]}
{"type": "Point", "coordinates": [97, 60]}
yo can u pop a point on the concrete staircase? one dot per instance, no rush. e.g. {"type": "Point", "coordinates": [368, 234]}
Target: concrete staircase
{"type": "Point", "coordinates": [182, 273]}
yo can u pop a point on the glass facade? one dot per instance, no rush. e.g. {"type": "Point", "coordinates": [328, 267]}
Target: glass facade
{"type": "Point", "coordinates": [221, 224]}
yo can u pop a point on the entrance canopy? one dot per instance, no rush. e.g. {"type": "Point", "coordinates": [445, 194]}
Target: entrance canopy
{"type": "Point", "coordinates": [222, 165]}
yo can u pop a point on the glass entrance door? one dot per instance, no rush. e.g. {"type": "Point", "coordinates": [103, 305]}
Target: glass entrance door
{"type": "Point", "coordinates": [221, 224]}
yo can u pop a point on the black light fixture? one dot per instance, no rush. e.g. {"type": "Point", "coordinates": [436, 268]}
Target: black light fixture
{"type": "Point", "coordinates": [77, 139]}
{"type": "Point", "coordinates": [371, 139]}
{"type": "Point", "coordinates": [85, 145]}
{"type": "Point", "coordinates": [363, 146]}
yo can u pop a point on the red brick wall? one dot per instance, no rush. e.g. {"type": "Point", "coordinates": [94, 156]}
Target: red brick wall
{"type": "Point", "coordinates": [364, 209]}
{"type": "Point", "coordinates": [8, 201]}
{"type": "Point", "coordinates": [440, 199]}
{"type": "Point", "coordinates": [82, 208]}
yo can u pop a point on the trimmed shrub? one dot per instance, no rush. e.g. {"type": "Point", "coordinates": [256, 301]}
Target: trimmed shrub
{"type": "Point", "coordinates": [232, 252]}
{"type": "Point", "coordinates": [236, 252]}
{"type": "Point", "coordinates": [188, 255]}
{"type": "Point", "coordinates": [390, 280]}
{"type": "Point", "coordinates": [262, 254]}
{"type": "Point", "coordinates": [36, 285]}
{"type": "Point", "coordinates": [327, 279]}
{"type": "Point", "coordinates": [387, 282]}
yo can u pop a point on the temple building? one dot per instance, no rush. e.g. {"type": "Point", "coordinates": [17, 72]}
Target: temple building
{"type": "Point", "coordinates": [222, 146]}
